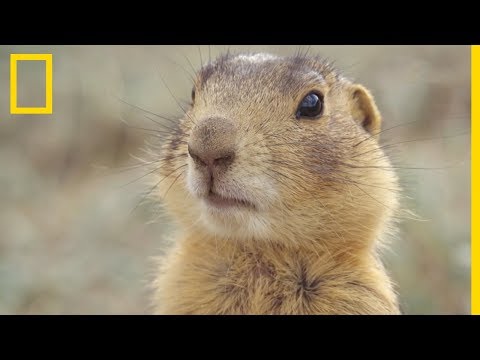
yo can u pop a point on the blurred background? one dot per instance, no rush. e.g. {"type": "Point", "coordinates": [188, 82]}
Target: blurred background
{"type": "Point", "coordinates": [74, 241]}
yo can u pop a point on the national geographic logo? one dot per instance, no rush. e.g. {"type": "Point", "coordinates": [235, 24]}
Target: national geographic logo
{"type": "Point", "coordinates": [48, 108]}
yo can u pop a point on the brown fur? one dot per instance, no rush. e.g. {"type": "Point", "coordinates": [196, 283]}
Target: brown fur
{"type": "Point", "coordinates": [324, 194]}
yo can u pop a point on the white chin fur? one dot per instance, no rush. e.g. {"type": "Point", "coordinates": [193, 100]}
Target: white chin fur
{"type": "Point", "coordinates": [235, 224]}
{"type": "Point", "coordinates": [256, 58]}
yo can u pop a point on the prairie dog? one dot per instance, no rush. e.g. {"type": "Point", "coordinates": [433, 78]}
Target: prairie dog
{"type": "Point", "coordinates": [280, 191]}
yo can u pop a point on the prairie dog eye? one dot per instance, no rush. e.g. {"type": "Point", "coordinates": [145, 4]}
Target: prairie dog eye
{"type": "Point", "coordinates": [311, 106]}
{"type": "Point", "coordinates": [193, 95]}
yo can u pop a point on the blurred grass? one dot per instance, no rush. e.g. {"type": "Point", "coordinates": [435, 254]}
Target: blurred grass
{"type": "Point", "coordinates": [69, 240]}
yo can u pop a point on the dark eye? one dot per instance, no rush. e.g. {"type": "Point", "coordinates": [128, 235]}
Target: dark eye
{"type": "Point", "coordinates": [311, 106]}
{"type": "Point", "coordinates": [193, 95]}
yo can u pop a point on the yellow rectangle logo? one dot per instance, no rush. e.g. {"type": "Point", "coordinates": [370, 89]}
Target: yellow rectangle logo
{"type": "Point", "coordinates": [475, 262]}
{"type": "Point", "coordinates": [48, 109]}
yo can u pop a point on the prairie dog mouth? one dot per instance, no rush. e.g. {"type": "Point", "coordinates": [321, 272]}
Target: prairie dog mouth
{"type": "Point", "coordinates": [223, 202]}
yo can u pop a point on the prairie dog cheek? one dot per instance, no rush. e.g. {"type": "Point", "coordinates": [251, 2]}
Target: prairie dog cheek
{"type": "Point", "coordinates": [195, 184]}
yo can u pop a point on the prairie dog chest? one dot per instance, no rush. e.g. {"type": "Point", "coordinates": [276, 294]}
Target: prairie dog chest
{"type": "Point", "coordinates": [232, 279]}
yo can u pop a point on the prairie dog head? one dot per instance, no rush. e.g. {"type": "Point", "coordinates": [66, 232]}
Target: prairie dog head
{"type": "Point", "coordinates": [278, 149]}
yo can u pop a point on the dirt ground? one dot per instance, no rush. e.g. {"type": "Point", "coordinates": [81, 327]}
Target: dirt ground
{"type": "Point", "coordinates": [74, 241]}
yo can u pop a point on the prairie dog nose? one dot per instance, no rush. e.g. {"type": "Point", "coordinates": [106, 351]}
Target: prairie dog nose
{"type": "Point", "coordinates": [212, 142]}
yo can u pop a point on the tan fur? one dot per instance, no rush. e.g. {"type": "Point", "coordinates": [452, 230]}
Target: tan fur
{"type": "Point", "coordinates": [324, 193]}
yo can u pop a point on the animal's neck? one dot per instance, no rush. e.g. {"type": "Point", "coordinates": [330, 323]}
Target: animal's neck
{"type": "Point", "coordinates": [215, 275]}
{"type": "Point", "coordinates": [312, 252]}
{"type": "Point", "coordinates": [334, 245]}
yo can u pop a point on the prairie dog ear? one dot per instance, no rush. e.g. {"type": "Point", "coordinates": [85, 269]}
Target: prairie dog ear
{"type": "Point", "coordinates": [364, 110]}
